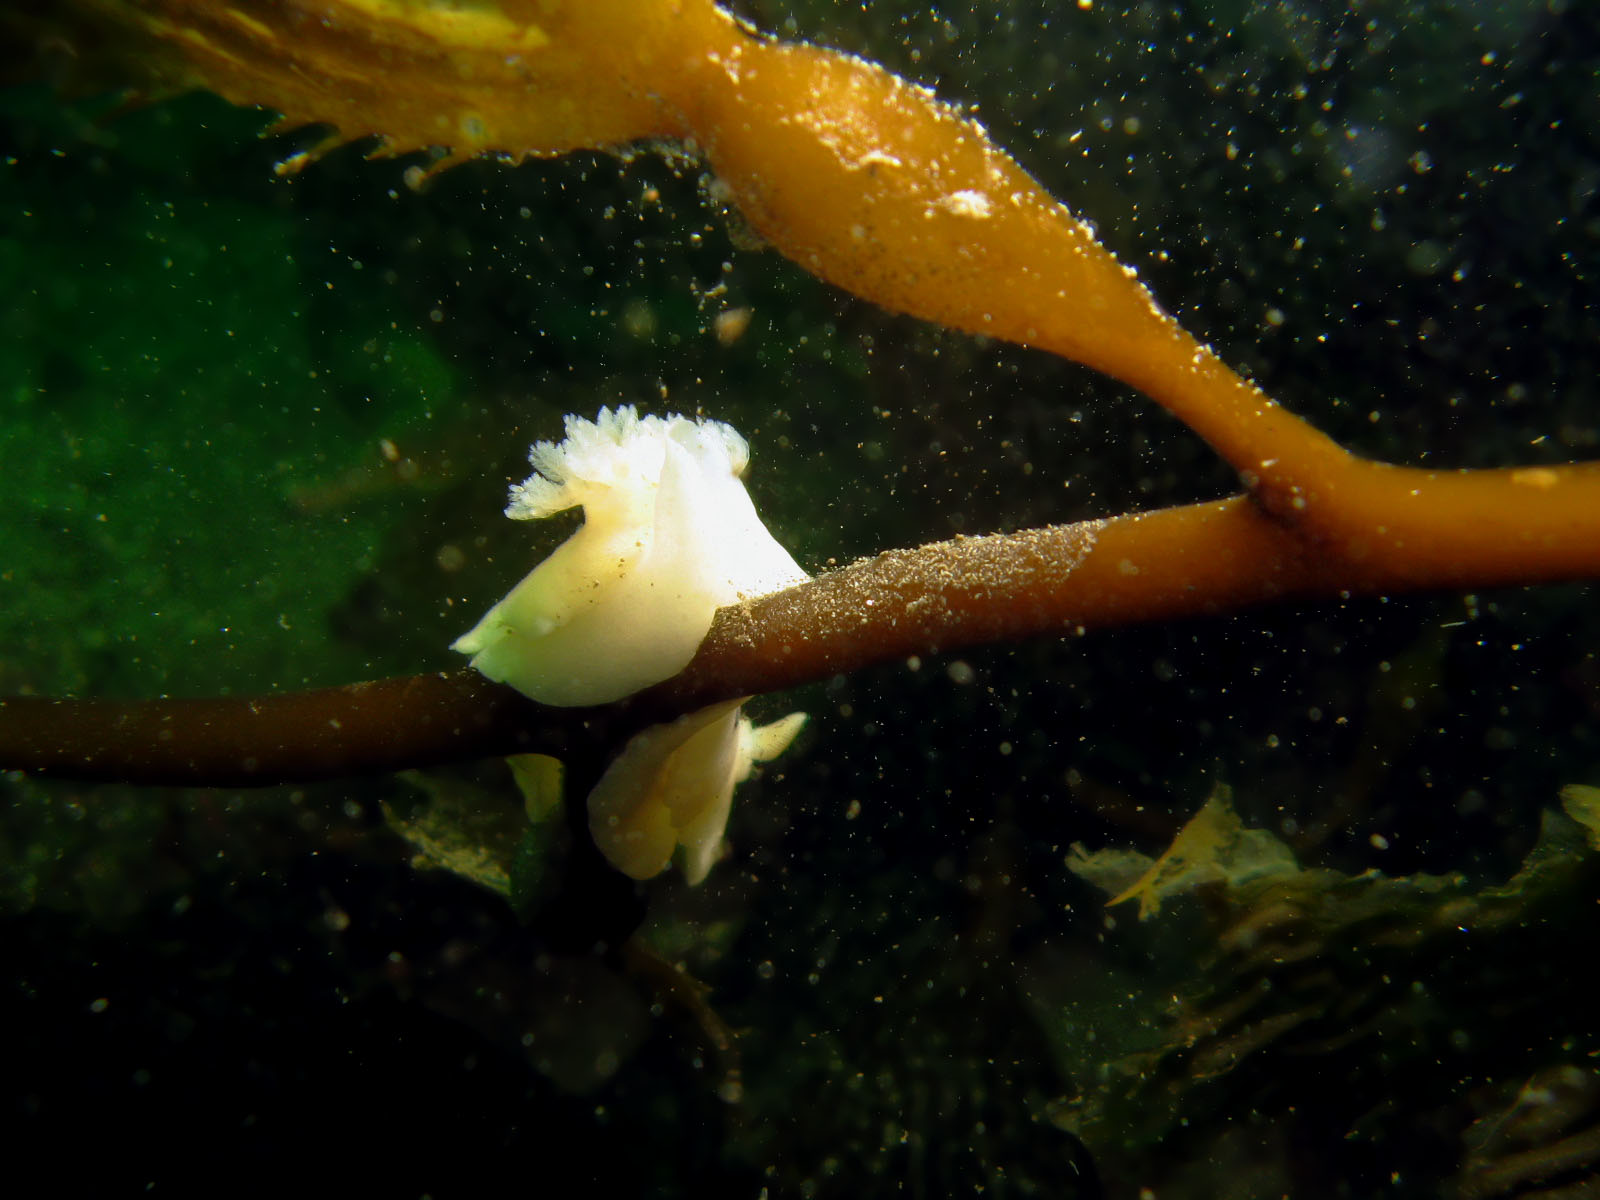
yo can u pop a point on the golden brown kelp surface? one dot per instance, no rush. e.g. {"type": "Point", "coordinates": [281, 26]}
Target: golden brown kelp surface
{"type": "Point", "coordinates": [872, 183]}
{"type": "Point", "coordinates": [472, 77]}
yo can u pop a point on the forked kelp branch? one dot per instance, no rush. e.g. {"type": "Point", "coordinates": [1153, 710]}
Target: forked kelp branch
{"type": "Point", "coordinates": [1197, 560]}
{"type": "Point", "coordinates": [860, 177]}
{"type": "Point", "coordinates": [869, 182]}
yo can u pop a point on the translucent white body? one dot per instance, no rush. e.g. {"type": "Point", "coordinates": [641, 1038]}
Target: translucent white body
{"type": "Point", "coordinates": [672, 786]}
{"type": "Point", "coordinates": [669, 535]}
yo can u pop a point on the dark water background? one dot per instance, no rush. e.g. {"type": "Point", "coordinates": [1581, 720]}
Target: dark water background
{"type": "Point", "coordinates": [255, 434]}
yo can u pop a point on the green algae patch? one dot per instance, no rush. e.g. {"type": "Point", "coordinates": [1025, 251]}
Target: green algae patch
{"type": "Point", "coordinates": [169, 396]}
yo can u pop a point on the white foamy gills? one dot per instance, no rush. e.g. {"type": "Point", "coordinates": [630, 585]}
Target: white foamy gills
{"type": "Point", "coordinates": [672, 786]}
{"type": "Point", "coordinates": [669, 536]}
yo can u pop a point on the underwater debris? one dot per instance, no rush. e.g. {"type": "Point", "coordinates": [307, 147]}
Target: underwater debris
{"type": "Point", "coordinates": [1582, 804]}
{"type": "Point", "coordinates": [457, 827]}
{"type": "Point", "coordinates": [1387, 974]}
{"type": "Point", "coordinates": [1214, 847]}
{"type": "Point", "coordinates": [1543, 1142]}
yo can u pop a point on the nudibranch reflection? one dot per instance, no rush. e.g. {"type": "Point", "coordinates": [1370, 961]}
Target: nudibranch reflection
{"type": "Point", "coordinates": [669, 536]}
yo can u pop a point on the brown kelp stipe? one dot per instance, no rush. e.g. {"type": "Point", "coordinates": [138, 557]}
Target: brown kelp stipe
{"type": "Point", "coordinates": [1067, 580]}
{"type": "Point", "coordinates": [866, 181]}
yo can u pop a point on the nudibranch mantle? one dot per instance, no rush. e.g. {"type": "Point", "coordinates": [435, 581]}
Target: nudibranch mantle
{"type": "Point", "coordinates": [669, 536]}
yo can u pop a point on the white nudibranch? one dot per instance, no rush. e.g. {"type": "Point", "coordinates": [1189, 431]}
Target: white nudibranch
{"type": "Point", "coordinates": [669, 535]}
{"type": "Point", "coordinates": [672, 786]}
